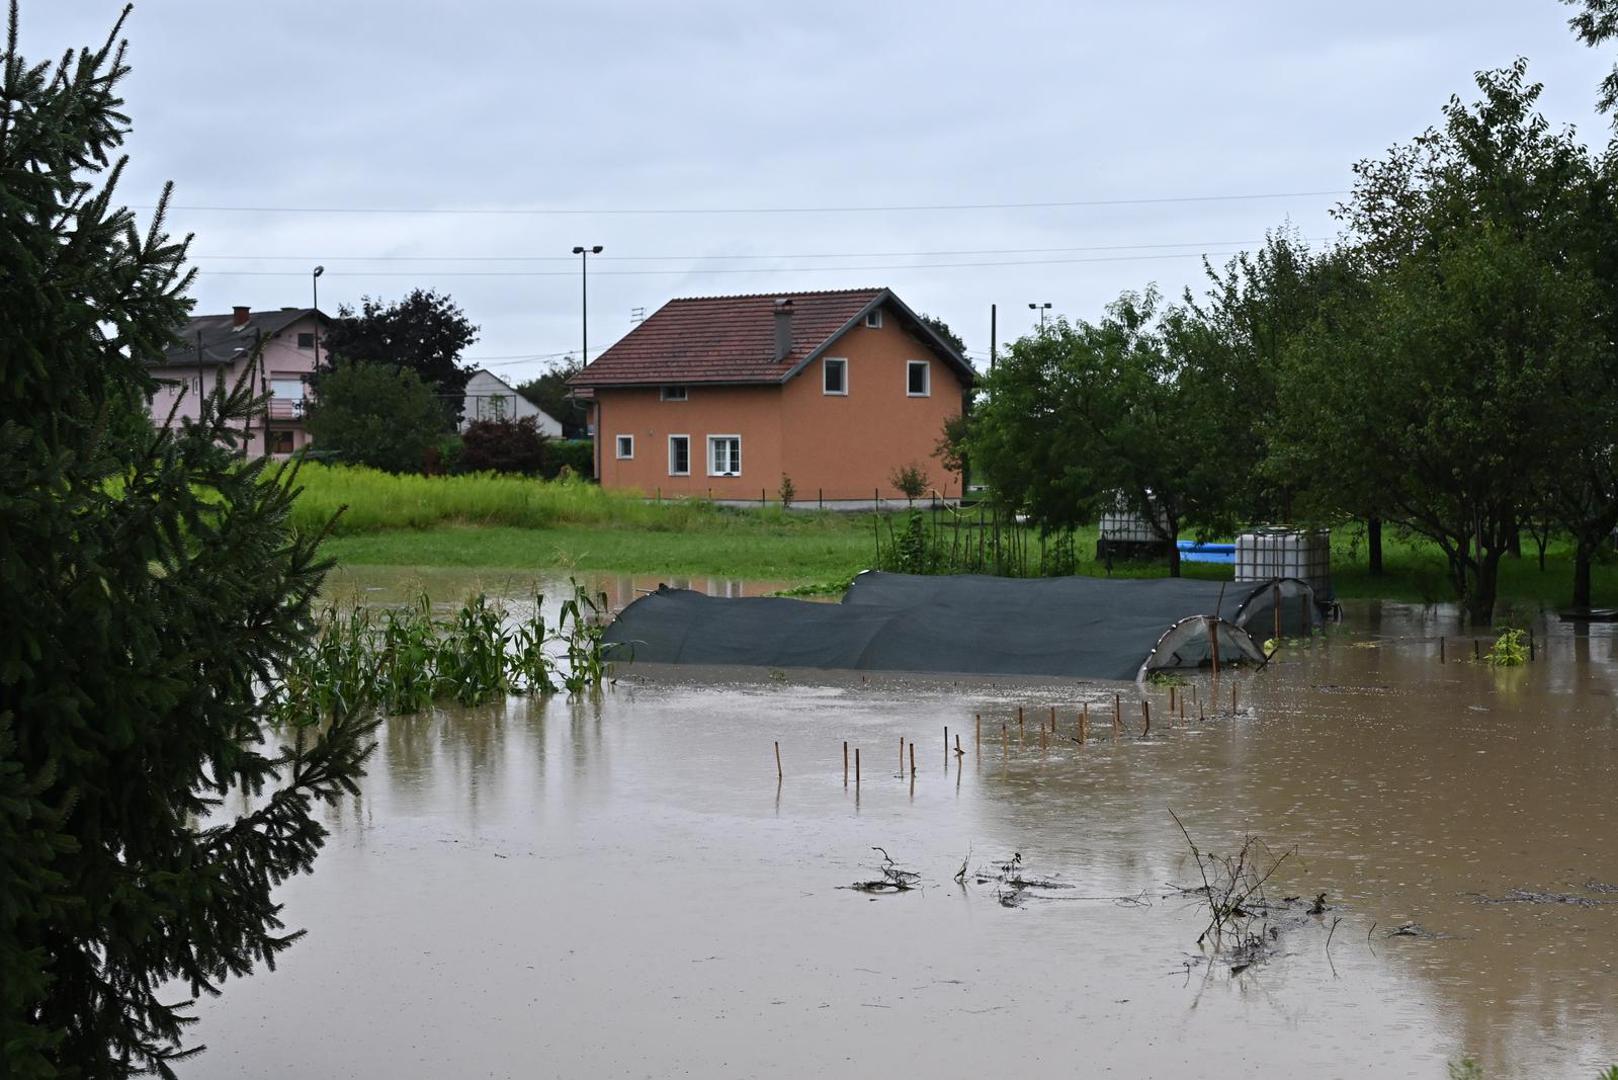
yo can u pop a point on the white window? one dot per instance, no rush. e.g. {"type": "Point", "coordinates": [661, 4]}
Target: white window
{"type": "Point", "coordinates": [724, 455]}
{"type": "Point", "coordinates": [626, 447]}
{"type": "Point", "coordinates": [836, 376]}
{"type": "Point", "coordinates": [679, 455]}
{"type": "Point", "coordinates": [673, 393]}
{"type": "Point", "coordinates": [918, 378]}
{"type": "Point", "coordinates": [287, 389]}
{"type": "Point", "coordinates": [873, 319]}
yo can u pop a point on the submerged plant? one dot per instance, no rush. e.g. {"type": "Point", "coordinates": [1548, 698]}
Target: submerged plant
{"type": "Point", "coordinates": [405, 659]}
{"type": "Point", "coordinates": [1508, 650]}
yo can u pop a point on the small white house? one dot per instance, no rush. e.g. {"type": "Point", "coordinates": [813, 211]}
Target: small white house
{"type": "Point", "coordinates": [489, 397]}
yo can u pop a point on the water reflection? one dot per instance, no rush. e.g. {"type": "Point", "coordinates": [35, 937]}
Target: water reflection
{"type": "Point", "coordinates": [516, 873]}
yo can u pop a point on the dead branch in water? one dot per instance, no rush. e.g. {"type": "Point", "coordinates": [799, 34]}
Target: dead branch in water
{"type": "Point", "coordinates": [894, 878]}
{"type": "Point", "coordinates": [1239, 928]}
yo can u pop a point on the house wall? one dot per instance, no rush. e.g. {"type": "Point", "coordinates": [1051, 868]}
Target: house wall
{"type": "Point", "coordinates": [489, 396]}
{"type": "Point", "coordinates": [752, 412]}
{"type": "Point", "coordinates": [282, 360]}
{"type": "Point", "coordinates": [833, 447]}
{"type": "Point", "coordinates": [848, 446]}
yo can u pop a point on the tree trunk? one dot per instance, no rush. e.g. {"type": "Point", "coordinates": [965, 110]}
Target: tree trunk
{"type": "Point", "coordinates": [1480, 599]}
{"type": "Point", "coordinates": [1581, 574]}
{"type": "Point", "coordinates": [1174, 546]}
{"type": "Point", "coordinates": [1373, 543]}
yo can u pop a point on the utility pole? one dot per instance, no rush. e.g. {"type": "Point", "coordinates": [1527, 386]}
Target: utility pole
{"type": "Point", "coordinates": [584, 254]}
{"type": "Point", "coordinates": [994, 337]}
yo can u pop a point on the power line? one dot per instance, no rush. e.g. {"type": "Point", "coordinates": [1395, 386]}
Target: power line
{"type": "Point", "coordinates": [715, 258]}
{"type": "Point", "coordinates": [501, 211]}
{"type": "Point", "coordinates": [721, 270]}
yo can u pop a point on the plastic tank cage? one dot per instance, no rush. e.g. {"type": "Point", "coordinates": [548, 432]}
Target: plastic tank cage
{"type": "Point", "coordinates": [1263, 554]}
{"type": "Point", "coordinates": [1071, 627]}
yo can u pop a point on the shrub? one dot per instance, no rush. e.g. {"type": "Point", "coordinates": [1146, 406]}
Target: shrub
{"type": "Point", "coordinates": [502, 446]}
{"type": "Point", "coordinates": [576, 454]}
{"type": "Point", "coordinates": [911, 480]}
{"type": "Point", "coordinates": [376, 415]}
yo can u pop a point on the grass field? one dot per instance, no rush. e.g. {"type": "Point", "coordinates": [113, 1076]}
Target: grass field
{"type": "Point", "coordinates": [509, 522]}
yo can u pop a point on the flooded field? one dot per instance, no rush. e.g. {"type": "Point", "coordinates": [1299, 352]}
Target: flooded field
{"type": "Point", "coordinates": [623, 887]}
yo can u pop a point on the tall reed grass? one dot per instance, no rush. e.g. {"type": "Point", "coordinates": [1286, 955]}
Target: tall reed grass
{"type": "Point", "coordinates": [377, 500]}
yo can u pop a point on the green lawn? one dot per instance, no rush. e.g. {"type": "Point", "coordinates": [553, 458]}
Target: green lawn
{"type": "Point", "coordinates": [513, 523]}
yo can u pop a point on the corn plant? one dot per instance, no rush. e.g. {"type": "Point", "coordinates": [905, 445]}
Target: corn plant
{"type": "Point", "coordinates": [1508, 650]}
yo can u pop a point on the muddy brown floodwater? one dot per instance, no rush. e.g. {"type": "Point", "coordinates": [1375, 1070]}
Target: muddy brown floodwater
{"type": "Point", "coordinates": [621, 887]}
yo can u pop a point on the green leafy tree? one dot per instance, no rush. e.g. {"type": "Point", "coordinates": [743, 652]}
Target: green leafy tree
{"type": "Point", "coordinates": [425, 332]}
{"type": "Point", "coordinates": [1081, 414]}
{"type": "Point", "coordinates": [550, 393]}
{"type": "Point", "coordinates": [942, 329]}
{"type": "Point", "coordinates": [1438, 385]}
{"type": "Point", "coordinates": [1595, 24]}
{"type": "Point", "coordinates": [376, 415]}
{"type": "Point", "coordinates": [155, 590]}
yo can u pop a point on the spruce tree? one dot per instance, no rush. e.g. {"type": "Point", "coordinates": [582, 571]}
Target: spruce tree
{"type": "Point", "coordinates": [153, 591]}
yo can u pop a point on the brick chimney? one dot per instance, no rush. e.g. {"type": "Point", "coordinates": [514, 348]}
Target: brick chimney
{"type": "Point", "coordinates": [783, 328]}
{"type": "Point", "coordinates": [238, 316]}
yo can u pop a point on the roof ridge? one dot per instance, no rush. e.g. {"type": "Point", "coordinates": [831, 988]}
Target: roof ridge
{"type": "Point", "coordinates": [782, 294]}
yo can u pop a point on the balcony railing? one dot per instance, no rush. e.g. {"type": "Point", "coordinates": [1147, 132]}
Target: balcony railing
{"type": "Point", "coordinates": [286, 408]}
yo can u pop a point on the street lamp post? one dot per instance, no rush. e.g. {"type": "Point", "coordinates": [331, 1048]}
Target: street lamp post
{"type": "Point", "coordinates": [1042, 309]}
{"type": "Point", "coordinates": [584, 254]}
{"type": "Point", "coordinates": [314, 283]}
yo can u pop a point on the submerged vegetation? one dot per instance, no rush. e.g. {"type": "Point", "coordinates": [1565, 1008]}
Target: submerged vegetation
{"type": "Point", "coordinates": [405, 659]}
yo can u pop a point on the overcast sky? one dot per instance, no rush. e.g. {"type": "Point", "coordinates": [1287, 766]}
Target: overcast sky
{"type": "Point", "coordinates": [589, 111]}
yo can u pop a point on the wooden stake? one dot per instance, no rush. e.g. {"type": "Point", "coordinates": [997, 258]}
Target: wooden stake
{"type": "Point", "coordinates": [1053, 719]}
{"type": "Point", "coordinates": [912, 761]}
{"type": "Point", "coordinates": [1477, 649]}
{"type": "Point", "coordinates": [845, 762]}
{"type": "Point", "coordinates": [901, 755]}
{"type": "Point", "coordinates": [1021, 731]}
{"type": "Point", "coordinates": [778, 760]}
{"type": "Point", "coordinates": [1440, 648]}
{"type": "Point", "coordinates": [946, 744]}
{"type": "Point", "coordinates": [856, 766]}
{"type": "Point", "coordinates": [1171, 697]}
{"type": "Point", "coordinates": [959, 753]}
{"type": "Point", "coordinates": [1146, 714]}
{"type": "Point", "coordinates": [1530, 643]}
{"type": "Point", "coordinates": [978, 722]}
{"type": "Point", "coordinates": [1117, 712]}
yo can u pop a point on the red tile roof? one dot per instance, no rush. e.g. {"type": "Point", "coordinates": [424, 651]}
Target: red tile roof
{"type": "Point", "coordinates": [728, 339]}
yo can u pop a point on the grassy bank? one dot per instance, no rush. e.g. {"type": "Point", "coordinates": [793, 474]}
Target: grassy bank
{"type": "Point", "coordinates": [509, 522]}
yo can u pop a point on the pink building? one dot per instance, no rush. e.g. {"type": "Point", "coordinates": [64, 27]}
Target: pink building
{"type": "Point", "coordinates": [291, 343]}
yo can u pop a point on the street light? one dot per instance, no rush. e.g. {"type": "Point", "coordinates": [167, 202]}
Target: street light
{"type": "Point", "coordinates": [1042, 309]}
{"type": "Point", "coordinates": [314, 283]}
{"type": "Point", "coordinates": [584, 299]}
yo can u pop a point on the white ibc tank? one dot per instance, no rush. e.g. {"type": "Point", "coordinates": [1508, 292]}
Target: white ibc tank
{"type": "Point", "coordinates": [1280, 552]}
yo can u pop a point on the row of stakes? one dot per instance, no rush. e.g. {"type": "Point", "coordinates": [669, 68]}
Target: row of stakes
{"type": "Point", "coordinates": [1081, 735]}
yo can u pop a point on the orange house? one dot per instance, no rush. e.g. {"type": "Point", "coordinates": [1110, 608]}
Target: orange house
{"type": "Point", "coordinates": [724, 396]}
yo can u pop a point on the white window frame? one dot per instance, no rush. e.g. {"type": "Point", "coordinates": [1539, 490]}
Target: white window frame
{"type": "Point", "coordinates": [826, 367]}
{"type": "Point", "coordinates": [713, 442]}
{"type": "Point", "coordinates": [926, 378]}
{"type": "Point", "coordinates": [618, 443]}
{"type": "Point", "coordinates": [873, 319]}
{"type": "Point", "coordinates": [687, 439]}
{"type": "Point", "coordinates": [663, 393]}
